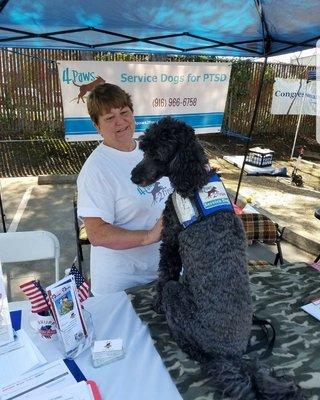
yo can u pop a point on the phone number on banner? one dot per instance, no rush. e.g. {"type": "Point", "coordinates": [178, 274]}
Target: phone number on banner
{"type": "Point", "coordinates": [174, 102]}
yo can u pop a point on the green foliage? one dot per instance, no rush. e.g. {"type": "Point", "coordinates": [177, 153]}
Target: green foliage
{"type": "Point", "coordinates": [240, 80]}
{"type": "Point", "coordinates": [269, 75]}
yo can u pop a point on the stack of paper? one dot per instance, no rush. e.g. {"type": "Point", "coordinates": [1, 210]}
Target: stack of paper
{"type": "Point", "coordinates": [19, 357]}
{"type": "Point", "coordinates": [56, 380]}
{"type": "Point", "coordinates": [106, 351]}
{"type": "Point", "coordinates": [78, 391]}
{"type": "Point", "coordinates": [6, 332]}
{"type": "Point", "coordinates": [47, 378]}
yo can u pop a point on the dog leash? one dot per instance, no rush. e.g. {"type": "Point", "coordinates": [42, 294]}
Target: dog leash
{"type": "Point", "coordinates": [269, 334]}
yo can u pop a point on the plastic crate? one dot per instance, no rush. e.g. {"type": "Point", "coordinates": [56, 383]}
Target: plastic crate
{"type": "Point", "coordinates": [260, 157]}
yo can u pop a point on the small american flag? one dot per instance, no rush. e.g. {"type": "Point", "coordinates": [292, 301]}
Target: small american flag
{"type": "Point", "coordinates": [37, 296]}
{"type": "Point", "coordinates": [82, 286]}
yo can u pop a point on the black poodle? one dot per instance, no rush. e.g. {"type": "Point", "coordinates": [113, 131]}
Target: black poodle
{"type": "Point", "coordinates": [203, 285]}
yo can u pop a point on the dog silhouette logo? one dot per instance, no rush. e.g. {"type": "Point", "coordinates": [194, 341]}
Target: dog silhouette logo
{"type": "Point", "coordinates": [211, 191]}
{"type": "Point", "coordinates": [87, 87]}
{"type": "Point", "coordinates": [155, 191]}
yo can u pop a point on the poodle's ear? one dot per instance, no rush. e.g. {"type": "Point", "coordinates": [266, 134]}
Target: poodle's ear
{"type": "Point", "coordinates": [187, 170]}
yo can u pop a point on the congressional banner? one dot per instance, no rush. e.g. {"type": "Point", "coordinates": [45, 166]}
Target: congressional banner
{"type": "Point", "coordinates": [290, 94]}
{"type": "Point", "coordinates": [192, 92]}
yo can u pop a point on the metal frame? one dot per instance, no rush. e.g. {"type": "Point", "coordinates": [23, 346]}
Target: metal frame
{"type": "Point", "coordinates": [3, 217]}
{"type": "Point", "coordinates": [23, 34]}
{"type": "Point", "coordinates": [153, 40]}
{"type": "Point", "coordinates": [267, 43]}
{"type": "Point", "coordinates": [125, 39]}
{"type": "Point", "coordinates": [79, 242]}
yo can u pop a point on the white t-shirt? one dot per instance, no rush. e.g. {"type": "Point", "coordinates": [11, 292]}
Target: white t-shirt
{"type": "Point", "coordinates": [105, 190]}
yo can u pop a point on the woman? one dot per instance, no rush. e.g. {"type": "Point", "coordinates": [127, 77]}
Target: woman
{"type": "Point", "coordinates": [123, 221]}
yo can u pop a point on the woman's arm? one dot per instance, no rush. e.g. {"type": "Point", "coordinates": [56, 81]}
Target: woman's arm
{"type": "Point", "coordinates": [100, 233]}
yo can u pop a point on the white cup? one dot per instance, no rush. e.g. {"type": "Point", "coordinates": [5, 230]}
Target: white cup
{"type": "Point", "coordinates": [44, 325]}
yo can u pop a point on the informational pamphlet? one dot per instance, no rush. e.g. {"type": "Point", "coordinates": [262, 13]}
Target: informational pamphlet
{"type": "Point", "coordinates": [6, 331]}
{"type": "Point", "coordinates": [67, 312]}
{"type": "Point", "coordinates": [78, 391]}
{"type": "Point", "coordinates": [42, 380]}
{"type": "Point", "coordinates": [19, 357]}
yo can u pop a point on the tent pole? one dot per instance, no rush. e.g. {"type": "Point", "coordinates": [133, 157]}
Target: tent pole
{"type": "Point", "coordinates": [299, 121]}
{"type": "Point", "coordinates": [253, 120]}
{"type": "Point", "coordinates": [2, 215]}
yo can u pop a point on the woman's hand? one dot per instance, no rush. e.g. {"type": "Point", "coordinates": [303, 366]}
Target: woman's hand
{"type": "Point", "coordinates": [154, 235]}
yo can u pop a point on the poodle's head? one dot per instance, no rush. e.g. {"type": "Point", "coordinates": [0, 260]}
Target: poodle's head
{"type": "Point", "coordinates": [171, 149]}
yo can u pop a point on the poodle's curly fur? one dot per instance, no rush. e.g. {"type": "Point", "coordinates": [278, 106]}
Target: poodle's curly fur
{"type": "Point", "coordinates": [208, 308]}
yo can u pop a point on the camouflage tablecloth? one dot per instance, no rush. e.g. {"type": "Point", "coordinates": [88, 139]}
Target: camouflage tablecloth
{"type": "Point", "coordinates": [278, 294]}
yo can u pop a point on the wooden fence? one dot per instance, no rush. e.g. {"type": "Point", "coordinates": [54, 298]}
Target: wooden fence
{"type": "Point", "coordinates": [31, 114]}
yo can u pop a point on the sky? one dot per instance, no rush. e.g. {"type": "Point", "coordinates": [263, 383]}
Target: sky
{"type": "Point", "coordinates": [287, 57]}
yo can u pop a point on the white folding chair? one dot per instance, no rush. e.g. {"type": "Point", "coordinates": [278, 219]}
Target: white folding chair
{"type": "Point", "coordinates": [30, 246]}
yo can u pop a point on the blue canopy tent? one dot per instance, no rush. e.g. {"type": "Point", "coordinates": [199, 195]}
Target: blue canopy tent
{"type": "Point", "coordinates": [239, 28]}
{"type": "Point", "coordinates": [242, 28]}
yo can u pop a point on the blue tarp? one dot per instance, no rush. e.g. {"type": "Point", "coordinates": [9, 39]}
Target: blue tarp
{"type": "Point", "coordinates": [250, 28]}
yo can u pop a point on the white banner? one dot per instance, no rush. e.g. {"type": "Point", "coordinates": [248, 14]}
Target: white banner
{"type": "Point", "coordinates": [193, 92]}
{"type": "Point", "coordinates": [293, 96]}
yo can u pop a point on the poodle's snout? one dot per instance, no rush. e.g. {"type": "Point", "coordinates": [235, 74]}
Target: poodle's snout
{"type": "Point", "coordinates": [137, 175]}
{"type": "Point", "coordinates": [146, 173]}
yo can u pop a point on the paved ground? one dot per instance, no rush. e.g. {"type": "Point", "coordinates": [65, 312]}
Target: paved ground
{"type": "Point", "coordinates": [47, 207]}
{"type": "Point", "coordinates": [30, 206]}
{"type": "Point", "coordinates": [290, 206]}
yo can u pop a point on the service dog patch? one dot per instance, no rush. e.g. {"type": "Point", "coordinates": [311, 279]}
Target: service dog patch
{"type": "Point", "coordinates": [210, 199]}
{"type": "Point", "coordinates": [213, 197]}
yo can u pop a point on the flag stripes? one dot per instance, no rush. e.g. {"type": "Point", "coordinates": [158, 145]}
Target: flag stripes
{"type": "Point", "coordinates": [36, 295]}
{"type": "Point", "coordinates": [82, 286]}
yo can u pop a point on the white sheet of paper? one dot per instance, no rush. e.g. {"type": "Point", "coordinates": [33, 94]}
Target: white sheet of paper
{"type": "Point", "coordinates": [249, 209]}
{"type": "Point", "coordinates": [20, 360]}
{"type": "Point", "coordinates": [6, 332]}
{"type": "Point", "coordinates": [313, 309]}
{"type": "Point", "coordinates": [78, 391]}
{"type": "Point", "coordinates": [47, 378]}
{"type": "Point", "coordinates": [16, 344]}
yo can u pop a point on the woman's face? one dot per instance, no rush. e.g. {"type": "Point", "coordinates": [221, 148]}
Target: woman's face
{"type": "Point", "coordinates": [116, 127]}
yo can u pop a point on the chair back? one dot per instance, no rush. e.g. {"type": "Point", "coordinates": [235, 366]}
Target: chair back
{"type": "Point", "coordinates": [29, 246]}
{"type": "Point", "coordinates": [259, 227]}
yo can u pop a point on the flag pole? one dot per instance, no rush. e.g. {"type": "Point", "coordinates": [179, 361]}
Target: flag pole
{"type": "Point", "coordinates": [2, 214]}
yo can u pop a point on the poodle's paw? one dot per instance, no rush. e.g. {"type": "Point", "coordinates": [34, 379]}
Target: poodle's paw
{"type": "Point", "coordinates": [157, 304]}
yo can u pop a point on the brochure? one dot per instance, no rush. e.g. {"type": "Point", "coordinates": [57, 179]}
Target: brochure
{"type": "Point", "coordinates": [47, 378]}
{"type": "Point", "coordinates": [78, 391]}
{"type": "Point", "coordinates": [19, 359]}
{"type": "Point", "coordinates": [6, 331]}
{"type": "Point", "coordinates": [67, 312]}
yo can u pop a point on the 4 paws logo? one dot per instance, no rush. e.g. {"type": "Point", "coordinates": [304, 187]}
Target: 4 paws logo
{"type": "Point", "coordinates": [157, 192]}
{"type": "Point", "coordinates": [211, 191]}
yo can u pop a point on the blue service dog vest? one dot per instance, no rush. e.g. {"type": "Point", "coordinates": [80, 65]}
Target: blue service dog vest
{"type": "Point", "coordinates": [209, 200]}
